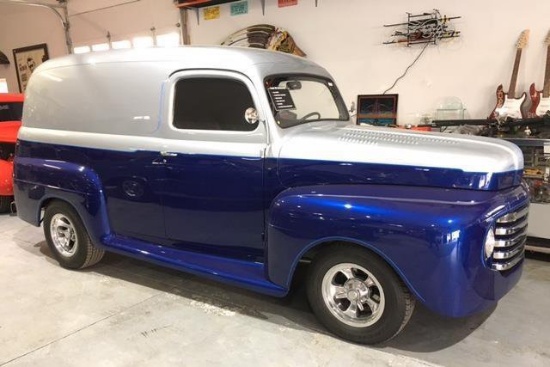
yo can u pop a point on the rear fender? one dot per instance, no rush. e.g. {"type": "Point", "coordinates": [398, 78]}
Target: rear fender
{"type": "Point", "coordinates": [38, 181]}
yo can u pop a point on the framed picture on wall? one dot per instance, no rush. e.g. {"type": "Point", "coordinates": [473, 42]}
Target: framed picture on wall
{"type": "Point", "coordinates": [377, 109]}
{"type": "Point", "coordinates": [26, 60]}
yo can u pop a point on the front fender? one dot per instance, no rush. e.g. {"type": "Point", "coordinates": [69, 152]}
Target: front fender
{"type": "Point", "coordinates": [431, 237]}
{"type": "Point", "coordinates": [6, 178]}
{"type": "Point", "coordinates": [39, 180]}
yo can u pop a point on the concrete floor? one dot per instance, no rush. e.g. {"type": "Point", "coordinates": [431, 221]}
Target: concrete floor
{"type": "Point", "coordinates": [124, 312]}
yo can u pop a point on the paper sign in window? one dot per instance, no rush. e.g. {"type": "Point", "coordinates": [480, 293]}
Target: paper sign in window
{"type": "Point", "coordinates": [281, 98]}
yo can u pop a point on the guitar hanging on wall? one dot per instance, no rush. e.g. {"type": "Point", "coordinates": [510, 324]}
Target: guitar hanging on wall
{"type": "Point", "coordinates": [507, 103]}
{"type": "Point", "coordinates": [540, 99]}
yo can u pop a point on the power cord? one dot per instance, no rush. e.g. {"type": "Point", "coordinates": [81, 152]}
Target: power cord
{"type": "Point", "coordinates": [407, 69]}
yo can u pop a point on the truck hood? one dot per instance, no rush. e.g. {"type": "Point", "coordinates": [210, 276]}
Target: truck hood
{"type": "Point", "coordinates": [8, 131]}
{"type": "Point", "coordinates": [330, 153]}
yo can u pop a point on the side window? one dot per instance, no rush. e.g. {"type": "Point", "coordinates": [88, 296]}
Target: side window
{"type": "Point", "coordinates": [212, 104]}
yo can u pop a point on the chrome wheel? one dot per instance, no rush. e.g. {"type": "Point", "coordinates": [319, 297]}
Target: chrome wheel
{"type": "Point", "coordinates": [67, 237]}
{"type": "Point", "coordinates": [63, 235]}
{"type": "Point", "coordinates": [353, 295]}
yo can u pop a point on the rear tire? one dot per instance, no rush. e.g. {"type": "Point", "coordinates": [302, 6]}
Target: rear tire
{"type": "Point", "coordinates": [5, 202]}
{"type": "Point", "coordinates": [357, 296]}
{"type": "Point", "coordinates": [67, 237]}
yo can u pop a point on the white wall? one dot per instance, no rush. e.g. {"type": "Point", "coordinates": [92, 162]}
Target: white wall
{"type": "Point", "coordinates": [345, 36]}
{"type": "Point", "coordinates": [22, 26]}
{"type": "Point", "coordinates": [133, 18]}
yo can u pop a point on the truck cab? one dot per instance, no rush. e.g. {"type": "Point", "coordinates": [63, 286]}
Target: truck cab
{"type": "Point", "coordinates": [236, 164]}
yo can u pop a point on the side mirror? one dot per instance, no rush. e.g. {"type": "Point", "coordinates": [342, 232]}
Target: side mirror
{"type": "Point", "coordinates": [251, 115]}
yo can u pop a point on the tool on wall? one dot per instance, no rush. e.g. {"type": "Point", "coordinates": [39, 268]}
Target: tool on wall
{"type": "Point", "coordinates": [264, 36]}
{"type": "Point", "coordinates": [423, 28]}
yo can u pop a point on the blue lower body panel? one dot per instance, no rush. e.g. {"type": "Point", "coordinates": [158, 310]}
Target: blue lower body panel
{"type": "Point", "coordinates": [431, 236]}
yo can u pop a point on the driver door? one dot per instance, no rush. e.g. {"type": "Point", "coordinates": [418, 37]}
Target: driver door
{"type": "Point", "coordinates": [214, 159]}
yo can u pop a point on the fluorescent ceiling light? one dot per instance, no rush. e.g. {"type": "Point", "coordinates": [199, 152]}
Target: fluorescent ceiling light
{"type": "Point", "coordinates": [168, 40]}
{"type": "Point", "coordinates": [81, 49]}
{"type": "Point", "coordinates": [100, 47]}
{"type": "Point", "coordinates": [143, 42]}
{"type": "Point", "coordinates": [117, 45]}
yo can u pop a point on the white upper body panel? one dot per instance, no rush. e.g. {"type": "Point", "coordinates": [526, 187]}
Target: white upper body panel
{"type": "Point", "coordinates": [380, 145]}
{"type": "Point", "coordinates": [121, 92]}
{"type": "Point", "coordinates": [91, 99]}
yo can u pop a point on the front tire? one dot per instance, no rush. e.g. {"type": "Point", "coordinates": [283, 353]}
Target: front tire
{"type": "Point", "coordinates": [67, 237]}
{"type": "Point", "coordinates": [357, 296]}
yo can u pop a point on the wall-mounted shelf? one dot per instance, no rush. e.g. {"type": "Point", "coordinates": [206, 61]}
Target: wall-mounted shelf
{"type": "Point", "coordinates": [198, 4]}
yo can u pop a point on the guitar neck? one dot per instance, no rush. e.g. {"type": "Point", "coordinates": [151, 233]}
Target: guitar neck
{"type": "Point", "coordinates": [546, 88]}
{"type": "Point", "coordinates": [514, 79]}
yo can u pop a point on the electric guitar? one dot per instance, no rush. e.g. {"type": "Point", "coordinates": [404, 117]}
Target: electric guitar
{"type": "Point", "coordinates": [540, 99]}
{"type": "Point", "coordinates": [507, 103]}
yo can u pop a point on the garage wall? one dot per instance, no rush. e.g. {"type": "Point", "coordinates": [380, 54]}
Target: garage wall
{"type": "Point", "coordinates": [121, 18]}
{"type": "Point", "coordinates": [344, 36]}
{"type": "Point", "coordinates": [22, 26]}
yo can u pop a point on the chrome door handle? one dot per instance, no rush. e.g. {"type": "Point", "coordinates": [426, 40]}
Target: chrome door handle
{"type": "Point", "coordinates": [168, 154]}
{"type": "Point", "coordinates": [159, 161]}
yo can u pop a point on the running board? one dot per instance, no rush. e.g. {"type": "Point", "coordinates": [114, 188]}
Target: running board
{"type": "Point", "coordinates": [245, 274]}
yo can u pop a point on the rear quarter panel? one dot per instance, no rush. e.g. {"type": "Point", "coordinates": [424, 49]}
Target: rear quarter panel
{"type": "Point", "coordinates": [40, 180]}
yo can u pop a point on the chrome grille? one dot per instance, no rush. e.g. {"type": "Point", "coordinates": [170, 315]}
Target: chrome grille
{"type": "Point", "coordinates": [510, 237]}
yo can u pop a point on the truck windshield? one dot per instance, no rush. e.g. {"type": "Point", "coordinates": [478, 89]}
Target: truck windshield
{"type": "Point", "coordinates": [11, 111]}
{"type": "Point", "coordinates": [297, 99]}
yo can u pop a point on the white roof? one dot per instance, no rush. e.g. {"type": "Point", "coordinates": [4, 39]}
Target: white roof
{"type": "Point", "coordinates": [245, 60]}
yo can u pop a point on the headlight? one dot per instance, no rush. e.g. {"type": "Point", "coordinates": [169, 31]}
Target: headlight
{"type": "Point", "coordinates": [489, 245]}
